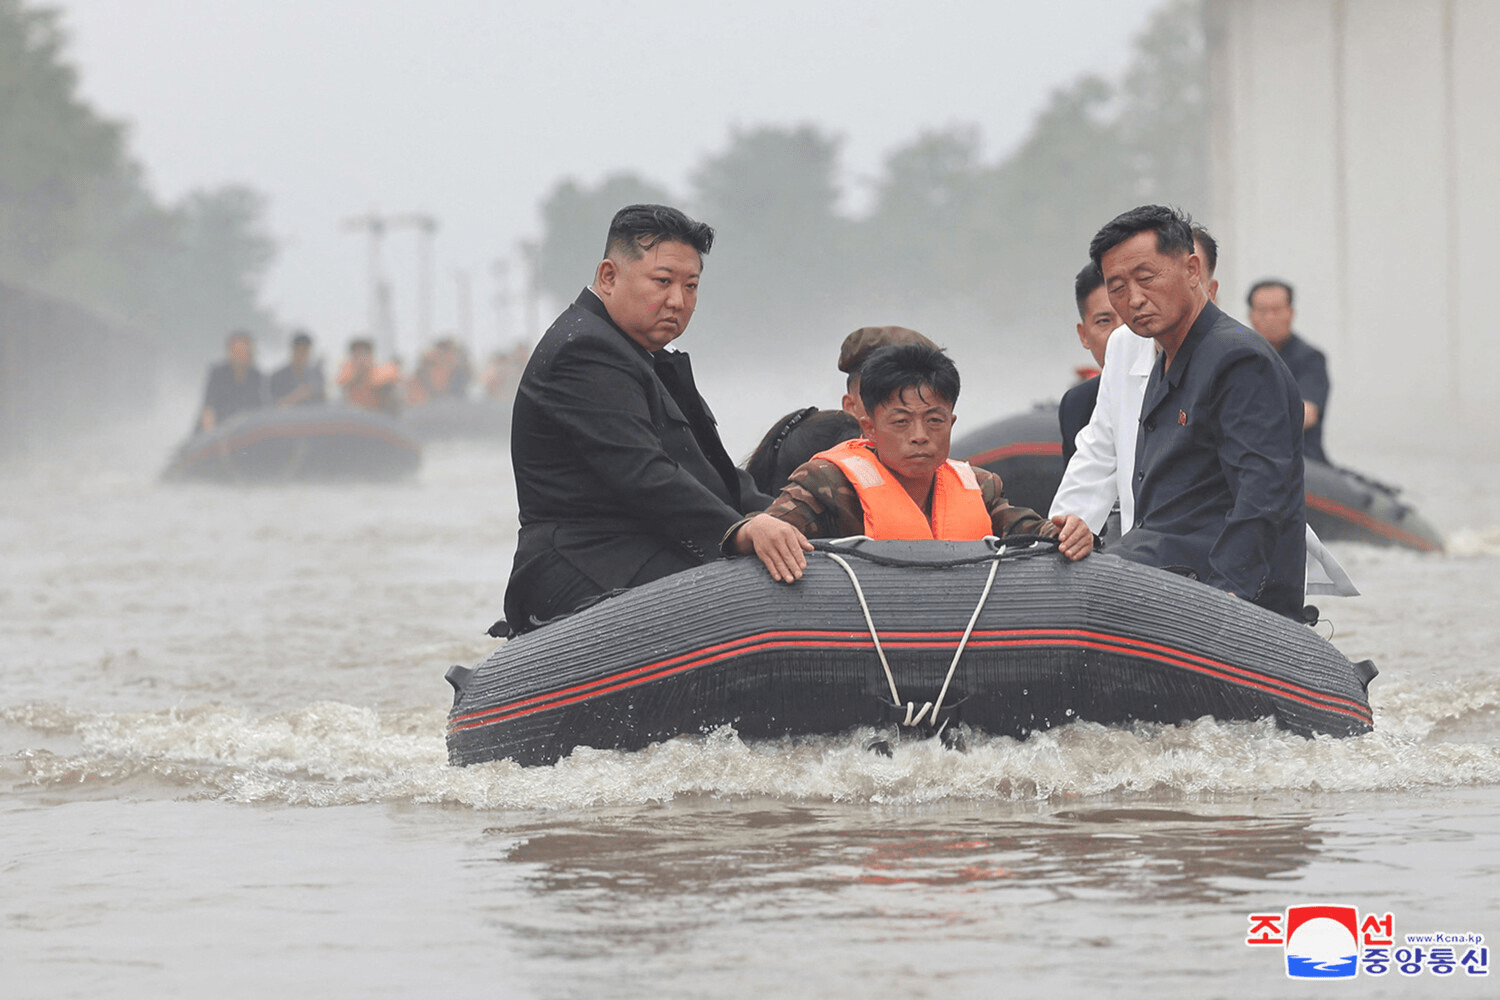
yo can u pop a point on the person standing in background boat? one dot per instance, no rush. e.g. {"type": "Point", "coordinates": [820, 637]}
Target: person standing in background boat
{"type": "Point", "coordinates": [897, 481]}
{"type": "Point", "coordinates": [234, 385]}
{"type": "Point", "coordinates": [1218, 480]}
{"type": "Point", "coordinates": [621, 478]}
{"type": "Point", "coordinates": [300, 381]}
{"type": "Point", "coordinates": [368, 385]}
{"type": "Point", "coordinates": [443, 373]}
{"type": "Point", "coordinates": [1271, 315]}
{"type": "Point", "coordinates": [1101, 463]}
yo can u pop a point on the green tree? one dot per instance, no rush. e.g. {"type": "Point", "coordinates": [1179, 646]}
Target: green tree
{"type": "Point", "coordinates": [575, 220]}
{"type": "Point", "coordinates": [211, 282]}
{"type": "Point", "coordinates": [779, 256]}
{"type": "Point", "coordinates": [1164, 122]}
{"type": "Point", "coordinates": [1010, 236]}
{"type": "Point", "coordinates": [77, 221]}
{"type": "Point", "coordinates": [921, 229]}
{"type": "Point", "coordinates": [950, 243]}
{"type": "Point", "coordinates": [1047, 199]}
{"type": "Point", "coordinates": [57, 158]}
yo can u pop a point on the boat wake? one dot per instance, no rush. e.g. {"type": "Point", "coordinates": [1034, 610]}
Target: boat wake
{"type": "Point", "coordinates": [1477, 542]}
{"type": "Point", "coordinates": [329, 754]}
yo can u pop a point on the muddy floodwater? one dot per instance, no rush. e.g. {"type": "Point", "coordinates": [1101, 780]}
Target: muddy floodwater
{"type": "Point", "coordinates": [222, 774]}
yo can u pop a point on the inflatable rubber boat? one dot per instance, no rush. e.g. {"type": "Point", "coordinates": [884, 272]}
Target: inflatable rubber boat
{"type": "Point", "coordinates": [299, 444]}
{"type": "Point", "coordinates": [924, 635]}
{"type": "Point", "coordinates": [1025, 450]}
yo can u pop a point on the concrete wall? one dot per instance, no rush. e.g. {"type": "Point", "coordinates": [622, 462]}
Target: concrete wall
{"type": "Point", "coordinates": [66, 371]}
{"type": "Point", "coordinates": [1356, 153]}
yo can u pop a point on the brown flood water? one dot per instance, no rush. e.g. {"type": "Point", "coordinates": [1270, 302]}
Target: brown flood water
{"type": "Point", "coordinates": [222, 773]}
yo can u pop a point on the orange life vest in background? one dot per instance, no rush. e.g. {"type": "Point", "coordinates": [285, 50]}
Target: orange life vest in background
{"type": "Point", "coordinates": [958, 510]}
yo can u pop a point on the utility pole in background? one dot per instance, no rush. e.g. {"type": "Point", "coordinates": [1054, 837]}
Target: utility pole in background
{"type": "Point", "coordinates": [381, 329]}
{"type": "Point", "coordinates": [426, 226]}
{"type": "Point", "coordinates": [503, 302]}
{"type": "Point", "coordinates": [465, 301]}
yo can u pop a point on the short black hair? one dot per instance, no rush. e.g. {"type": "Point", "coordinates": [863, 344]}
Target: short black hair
{"type": "Point", "coordinates": [1089, 280]}
{"type": "Point", "coordinates": [1173, 228]}
{"type": "Point", "coordinates": [1268, 283]}
{"type": "Point", "coordinates": [637, 228]}
{"type": "Point", "coordinates": [301, 337]}
{"type": "Point", "coordinates": [362, 343]}
{"type": "Point", "coordinates": [900, 367]}
{"type": "Point", "coordinates": [1210, 248]}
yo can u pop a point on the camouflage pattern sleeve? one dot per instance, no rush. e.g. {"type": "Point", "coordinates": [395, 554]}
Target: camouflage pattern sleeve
{"type": "Point", "coordinates": [819, 502]}
{"type": "Point", "coordinates": [1005, 518]}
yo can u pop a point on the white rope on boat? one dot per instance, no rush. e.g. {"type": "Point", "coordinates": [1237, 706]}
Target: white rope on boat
{"type": "Point", "coordinates": [864, 606]}
{"type": "Point", "coordinates": [988, 583]}
{"type": "Point", "coordinates": [935, 707]}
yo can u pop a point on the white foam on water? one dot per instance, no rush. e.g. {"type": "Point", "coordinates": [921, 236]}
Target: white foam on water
{"type": "Point", "coordinates": [1476, 542]}
{"type": "Point", "coordinates": [330, 753]}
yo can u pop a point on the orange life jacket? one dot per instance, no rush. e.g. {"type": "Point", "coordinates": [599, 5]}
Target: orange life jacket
{"type": "Point", "coordinates": [958, 510]}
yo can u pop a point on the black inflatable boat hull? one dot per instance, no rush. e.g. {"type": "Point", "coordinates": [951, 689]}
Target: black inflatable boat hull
{"type": "Point", "coordinates": [1101, 639]}
{"type": "Point", "coordinates": [1343, 505]}
{"type": "Point", "coordinates": [1025, 450]}
{"type": "Point", "coordinates": [299, 444]}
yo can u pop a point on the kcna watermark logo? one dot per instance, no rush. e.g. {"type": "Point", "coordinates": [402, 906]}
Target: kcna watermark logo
{"type": "Point", "coordinates": [1333, 942]}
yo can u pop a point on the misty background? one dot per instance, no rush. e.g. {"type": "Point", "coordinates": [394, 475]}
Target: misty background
{"type": "Point", "coordinates": [171, 171]}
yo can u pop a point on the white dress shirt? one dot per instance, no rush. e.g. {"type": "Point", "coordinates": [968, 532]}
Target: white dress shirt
{"type": "Point", "coordinates": [1101, 469]}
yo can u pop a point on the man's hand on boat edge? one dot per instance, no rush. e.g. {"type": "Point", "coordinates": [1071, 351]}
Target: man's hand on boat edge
{"type": "Point", "coordinates": [782, 549]}
{"type": "Point", "coordinates": [1074, 539]}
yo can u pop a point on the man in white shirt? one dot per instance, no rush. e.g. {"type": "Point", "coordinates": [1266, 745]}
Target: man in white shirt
{"type": "Point", "coordinates": [1102, 469]}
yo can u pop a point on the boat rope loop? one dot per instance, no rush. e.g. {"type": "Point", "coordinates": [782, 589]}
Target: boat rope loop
{"type": "Point", "coordinates": [929, 710]}
{"type": "Point", "coordinates": [1011, 547]}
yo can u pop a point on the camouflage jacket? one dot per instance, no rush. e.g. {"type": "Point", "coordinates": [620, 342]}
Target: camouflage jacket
{"type": "Point", "coordinates": [820, 502]}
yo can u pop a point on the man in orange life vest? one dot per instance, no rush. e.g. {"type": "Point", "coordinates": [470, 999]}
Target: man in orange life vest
{"type": "Point", "coordinates": [897, 481]}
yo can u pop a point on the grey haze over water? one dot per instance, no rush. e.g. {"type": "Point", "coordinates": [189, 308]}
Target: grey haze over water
{"type": "Point", "coordinates": [471, 110]}
{"type": "Point", "coordinates": [222, 768]}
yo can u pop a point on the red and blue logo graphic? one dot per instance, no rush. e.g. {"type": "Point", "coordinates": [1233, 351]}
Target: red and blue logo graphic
{"type": "Point", "coordinates": [1322, 942]}
{"type": "Point", "coordinates": [1331, 942]}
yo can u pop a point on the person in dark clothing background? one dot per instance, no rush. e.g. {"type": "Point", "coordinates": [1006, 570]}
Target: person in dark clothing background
{"type": "Point", "coordinates": [234, 385]}
{"type": "Point", "coordinates": [621, 477]}
{"type": "Point", "coordinates": [300, 381]}
{"type": "Point", "coordinates": [1096, 321]}
{"type": "Point", "coordinates": [1219, 476]}
{"type": "Point", "coordinates": [1271, 315]}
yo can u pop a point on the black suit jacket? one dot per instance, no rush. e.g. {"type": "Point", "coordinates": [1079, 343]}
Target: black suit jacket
{"type": "Point", "coordinates": [1219, 467]}
{"type": "Point", "coordinates": [617, 458]}
{"type": "Point", "coordinates": [1073, 414]}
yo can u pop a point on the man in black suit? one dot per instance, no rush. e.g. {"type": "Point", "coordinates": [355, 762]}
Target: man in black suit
{"type": "Point", "coordinates": [620, 474]}
{"type": "Point", "coordinates": [234, 385]}
{"type": "Point", "coordinates": [1218, 481]}
{"type": "Point", "coordinates": [1096, 321]}
{"type": "Point", "coordinates": [1271, 313]}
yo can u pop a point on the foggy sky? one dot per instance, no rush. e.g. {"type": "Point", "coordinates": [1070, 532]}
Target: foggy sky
{"type": "Point", "coordinates": [472, 109]}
